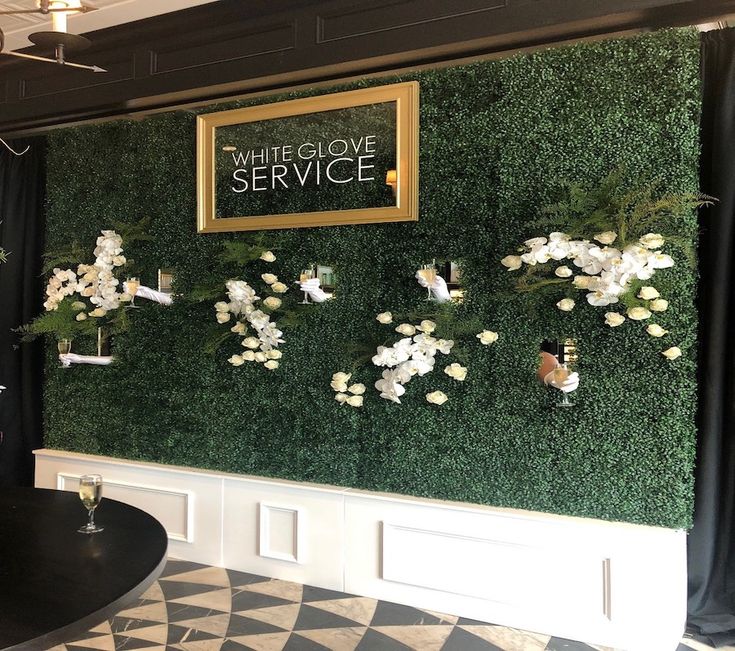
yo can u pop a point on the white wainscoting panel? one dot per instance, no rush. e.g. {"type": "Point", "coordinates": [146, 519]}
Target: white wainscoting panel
{"type": "Point", "coordinates": [577, 578]}
{"type": "Point", "coordinates": [188, 505]}
{"type": "Point", "coordinates": [173, 509]}
{"type": "Point", "coordinates": [285, 530]}
{"type": "Point", "coordinates": [613, 584]}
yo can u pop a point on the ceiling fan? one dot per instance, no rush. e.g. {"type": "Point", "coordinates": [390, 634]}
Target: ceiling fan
{"type": "Point", "coordinates": [58, 39]}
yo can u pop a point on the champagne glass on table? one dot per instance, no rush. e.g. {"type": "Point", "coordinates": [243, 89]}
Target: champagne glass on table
{"type": "Point", "coordinates": [428, 273]}
{"type": "Point", "coordinates": [306, 274]}
{"type": "Point", "coordinates": [132, 284]}
{"type": "Point", "coordinates": [90, 492]}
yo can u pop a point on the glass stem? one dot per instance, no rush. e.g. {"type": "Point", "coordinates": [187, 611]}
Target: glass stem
{"type": "Point", "coordinates": [90, 524]}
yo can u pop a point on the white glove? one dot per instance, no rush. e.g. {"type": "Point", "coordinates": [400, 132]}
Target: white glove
{"type": "Point", "coordinates": [151, 294]}
{"type": "Point", "coordinates": [315, 292]}
{"type": "Point", "coordinates": [567, 386]}
{"type": "Point", "coordinates": [68, 359]}
{"type": "Point", "coordinates": [438, 287]}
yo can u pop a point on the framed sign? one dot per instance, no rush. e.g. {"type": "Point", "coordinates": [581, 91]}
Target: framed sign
{"type": "Point", "coordinates": [344, 158]}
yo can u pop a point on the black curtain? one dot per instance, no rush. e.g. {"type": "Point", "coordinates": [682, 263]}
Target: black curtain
{"type": "Point", "coordinates": [711, 544]}
{"type": "Point", "coordinates": [22, 192]}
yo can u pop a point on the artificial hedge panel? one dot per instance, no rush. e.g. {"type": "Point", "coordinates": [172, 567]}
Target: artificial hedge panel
{"type": "Point", "coordinates": [496, 138]}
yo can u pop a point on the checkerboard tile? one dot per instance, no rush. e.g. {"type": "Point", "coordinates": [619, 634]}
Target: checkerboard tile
{"type": "Point", "coordinates": [196, 607]}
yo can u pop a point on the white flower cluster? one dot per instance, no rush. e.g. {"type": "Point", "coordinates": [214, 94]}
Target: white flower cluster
{"type": "Point", "coordinates": [96, 282]}
{"type": "Point", "coordinates": [415, 354]}
{"type": "Point", "coordinates": [607, 272]}
{"type": "Point", "coordinates": [339, 384]}
{"type": "Point", "coordinates": [263, 347]}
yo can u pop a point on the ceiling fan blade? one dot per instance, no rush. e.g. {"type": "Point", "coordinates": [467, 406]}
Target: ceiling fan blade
{"type": "Point", "coordinates": [33, 57]}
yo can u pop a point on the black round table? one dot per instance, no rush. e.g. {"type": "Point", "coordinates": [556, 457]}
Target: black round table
{"type": "Point", "coordinates": [55, 583]}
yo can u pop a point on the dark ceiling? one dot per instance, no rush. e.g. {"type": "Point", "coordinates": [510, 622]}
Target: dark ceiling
{"type": "Point", "coordinates": [232, 47]}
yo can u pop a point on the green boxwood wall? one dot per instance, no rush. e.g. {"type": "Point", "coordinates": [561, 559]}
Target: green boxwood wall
{"type": "Point", "coordinates": [496, 137]}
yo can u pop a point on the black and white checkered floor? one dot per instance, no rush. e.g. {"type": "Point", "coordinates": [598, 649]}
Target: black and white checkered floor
{"type": "Point", "coordinates": [196, 607]}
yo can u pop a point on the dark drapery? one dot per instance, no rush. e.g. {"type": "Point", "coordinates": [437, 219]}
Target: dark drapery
{"type": "Point", "coordinates": [22, 191]}
{"type": "Point", "coordinates": [711, 546]}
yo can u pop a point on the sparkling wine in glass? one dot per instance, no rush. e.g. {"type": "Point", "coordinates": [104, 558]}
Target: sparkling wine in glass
{"type": "Point", "coordinates": [428, 273]}
{"type": "Point", "coordinates": [90, 492]}
{"type": "Point", "coordinates": [64, 348]}
{"type": "Point", "coordinates": [132, 284]}
{"type": "Point", "coordinates": [560, 375]}
{"type": "Point", "coordinates": [306, 274]}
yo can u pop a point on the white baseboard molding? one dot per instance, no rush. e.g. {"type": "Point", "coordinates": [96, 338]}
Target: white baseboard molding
{"type": "Point", "coordinates": [613, 584]}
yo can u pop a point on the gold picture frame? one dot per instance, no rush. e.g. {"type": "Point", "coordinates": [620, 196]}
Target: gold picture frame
{"type": "Point", "coordinates": [399, 185]}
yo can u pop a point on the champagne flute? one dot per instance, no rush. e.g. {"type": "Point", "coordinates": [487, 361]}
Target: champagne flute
{"type": "Point", "coordinates": [64, 348]}
{"type": "Point", "coordinates": [132, 284]}
{"type": "Point", "coordinates": [428, 273]}
{"type": "Point", "coordinates": [90, 492]}
{"type": "Point", "coordinates": [306, 274]}
{"type": "Point", "coordinates": [561, 374]}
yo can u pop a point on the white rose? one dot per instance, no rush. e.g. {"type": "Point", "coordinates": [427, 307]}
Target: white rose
{"type": "Point", "coordinates": [98, 312]}
{"type": "Point", "coordinates": [81, 316]}
{"type": "Point", "coordinates": [613, 319]}
{"type": "Point", "coordinates": [648, 293]}
{"type": "Point", "coordinates": [279, 288]}
{"type": "Point", "coordinates": [487, 337]}
{"type": "Point", "coordinates": [223, 317]}
{"type": "Point", "coordinates": [341, 377]}
{"type": "Point", "coordinates": [269, 279]}
{"type": "Point", "coordinates": [513, 262]}
{"type": "Point", "coordinates": [385, 317]}
{"type": "Point", "coordinates": [608, 237]}
{"type": "Point", "coordinates": [236, 360]}
{"type": "Point", "coordinates": [456, 371]}
{"type": "Point", "coordinates": [250, 342]}
{"type": "Point", "coordinates": [427, 326]}
{"type": "Point", "coordinates": [638, 313]}
{"type": "Point", "coordinates": [406, 329]}
{"type": "Point", "coordinates": [273, 354]}
{"type": "Point", "coordinates": [273, 302]}
{"type": "Point", "coordinates": [341, 398]}
{"type": "Point", "coordinates": [78, 305]}
{"type": "Point", "coordinates": [354, 401]}
{"type": "Point", "coordinates": [341, 387]}
{"type": "Point", "coordinates": [239, 328]}
{"type": "Point", "coordinates": [357, 389]}
{"type": "Point", "coordinates": [268, 256]}
{"type": "Point", "coordinates": [563, 272]}
{"type": "Point", "coordinates": [565, 304]}
{"type": "Point", "coordinates": [672, 353]}
{"type": "Point", "coordinates": [437, 397]}
{"type": "Point", "coordinates": [582, 282]}
{"type": "Point", "coordinates": [652, 240]}
{"type": "Point", "coordinates": [271, 364]}
{"type": "Point", "coordinates": [659, 305]}
{"type": "Point", "coordinates": [248, 356]}
{"type": "Point", "coordinates": [656, 330]}
{"type": "Point", "coordinates": [221, 306]}
{"type": "Point", "coordinates": [261, 358]}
